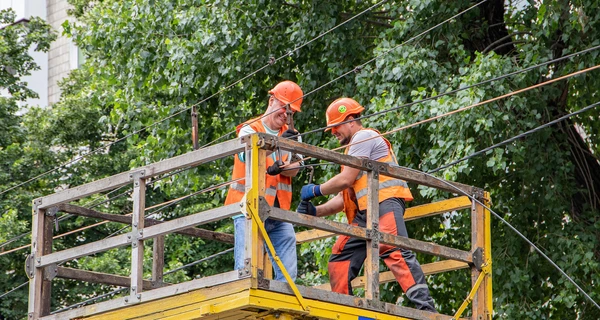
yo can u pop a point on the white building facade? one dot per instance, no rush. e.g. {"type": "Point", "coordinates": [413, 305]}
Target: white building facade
{"type": "Point", "coordinates": [63, 55]}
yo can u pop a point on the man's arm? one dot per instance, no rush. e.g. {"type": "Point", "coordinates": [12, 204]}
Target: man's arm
{"type": "Point", "coordinates": [332, 206]}
{"type": "Point", "coordinates": [291, 173]}
{"type": "Point", "coordinates": [341, 181]}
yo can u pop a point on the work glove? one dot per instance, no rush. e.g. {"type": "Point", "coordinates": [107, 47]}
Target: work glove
{"type": "Point", "coordinates": [310, 191]}
{"type": "Point", "coordinates": [275, 168]}
{"type": "Point", "coordinates": [306, 207]}
{"type": "Point", "coordinates": [290, 134]}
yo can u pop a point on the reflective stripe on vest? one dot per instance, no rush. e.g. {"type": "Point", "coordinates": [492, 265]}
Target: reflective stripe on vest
{"type": "Point", "coordinates": [383, 185]}
{"type": "Point", "coordinates": [278, 186]}
{"type": "Point", "coordinates": [238, 186]}
{"type": "Point", "coordinates": [388, 187]}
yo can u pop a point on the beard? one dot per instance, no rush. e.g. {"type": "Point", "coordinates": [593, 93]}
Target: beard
{"type": "Point", "coordinates": [344, 141]}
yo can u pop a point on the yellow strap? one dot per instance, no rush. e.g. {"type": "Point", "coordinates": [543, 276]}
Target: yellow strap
{"type": "Point", "coordinates": [485, 270]}
{"type": "Point", "coordinates": [289, 280]}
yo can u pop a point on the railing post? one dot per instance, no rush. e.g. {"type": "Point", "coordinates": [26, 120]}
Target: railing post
{"type": "Point", "coordinates": [158, 260]}
{"type": "Point", "coordinates": [372, 261]}
{"type": "Point", "coordinates": [255, 186]}
{"type": "Point", "coordinates": [487, 254]}
{"type": "Point", "coordinates": [137, 229]}
{"type": "Point", "coordinates": [481, 239]}
{"type": "Point", "coordinates": [41, 244]}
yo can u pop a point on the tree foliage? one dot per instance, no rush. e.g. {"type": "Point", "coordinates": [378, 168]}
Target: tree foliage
{"type": "Point", "coordinates": [150, 60]}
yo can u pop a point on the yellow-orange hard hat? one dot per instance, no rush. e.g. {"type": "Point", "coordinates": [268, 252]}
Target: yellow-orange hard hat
{"type": "Point", "coordinates": [288, 92]}
{"type": "Point", "coordinates": [340, 109]}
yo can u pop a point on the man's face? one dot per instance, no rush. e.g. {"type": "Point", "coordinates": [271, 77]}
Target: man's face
{"type": "Point", "coordinates": [342, 133]}
{"type": "Point", "coordinates": [278, 115]}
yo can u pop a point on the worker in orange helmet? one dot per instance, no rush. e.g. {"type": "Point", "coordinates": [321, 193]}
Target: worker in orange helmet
{"type": "Point", "coordinates": [278, 183]}
{"type": "Point", "coordinates": [350, 186]}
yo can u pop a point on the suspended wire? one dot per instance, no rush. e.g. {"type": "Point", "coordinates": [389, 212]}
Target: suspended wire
{"type": "Point", "coordinates": [271, 62]}
{"type": "Point", "coordinates": [112, 293]}
{"type": "Point", "coordinates": [66, 216]}
{"type": "Point", "coordinates": [13, 289]}
{"type": "Point", "coordinates": [507, 141]}
{"type": "Point", "coordinates": [460, 109]}
{"type": "Point", "coordinates": [311, 92]}
{"type": "Point", "coordinates": [460, 89]}
{"type": "Point", "coordinates": [175, 201]}
{"type": "Point", "coordinates": [166, 205]}
{"type": "Point", "coordinates": [106, 221]}
{"type": "Point", "coordinates": [515, 230]}
{"type": "Point", "coordinates": [356, 69]}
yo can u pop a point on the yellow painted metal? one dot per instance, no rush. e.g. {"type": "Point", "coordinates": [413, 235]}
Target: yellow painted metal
{"type": "Point", "coordinates": [488, 252]}
{"type": "Point", "coordinates": [253, 210]}
{"type": "Point", "coordinates": [485, 270]}
{"type": "Point", "coordinates": [315, 308]}
{"type": "Point", "coordinates": [434, 208]}
{"type": "Point", "coordinates": [177, 304]}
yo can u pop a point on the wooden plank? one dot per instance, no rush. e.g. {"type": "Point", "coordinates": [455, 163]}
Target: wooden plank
{"type": "Point", "coordinates": [137, 243]}
{"type": "Point", "coordinates": [158, 259]}
{"type": "Point", "coordinates": [36, 274]}
{"type": "Point", "coordinates": [98, 277]}
{"type": "Point", "coordinates": [183, 293]}
{"type": "Point", "coordinates": [354, 231]}
{"type": "Point", "coordinates": [190, 159]}
{"type": "Point", "coordinates": [312, 235]}
{"type": "Point", "coordinates": [371, 267]}
{"type": "Point", "coordinates": [388, 276]}
{"type": "Point", "coordinates": [412, 213]}
{"type": "Point", "coordinates": [427, 247]}
{"type": "Point", "coordinates": [403, 173]}
{"type": "Point", "coordinates": [186, 222]}
{"type": "Point", "coordinates": [194, 232]}
{"type": "Point", "coordinates": [85, 250]}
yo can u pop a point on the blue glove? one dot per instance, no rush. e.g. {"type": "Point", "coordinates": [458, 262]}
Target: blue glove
{"type": "Point", "coordinates": [306, 207]}
{"type": "Point", "coordinates": [310, 191]}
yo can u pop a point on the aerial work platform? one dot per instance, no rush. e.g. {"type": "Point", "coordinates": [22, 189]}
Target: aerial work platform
{"type": "Point", "coordinates": [249, 293]}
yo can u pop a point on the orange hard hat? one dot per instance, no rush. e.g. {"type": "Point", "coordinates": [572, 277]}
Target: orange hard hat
{"type": "Point", "coordinates": [340, 109]}
{"type": "Point", "coordinates": [288, 92]}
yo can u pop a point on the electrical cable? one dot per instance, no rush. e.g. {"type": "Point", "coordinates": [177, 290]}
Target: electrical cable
{"type": "Point", "coordinates": [461, 109]}
{"type": "Point", "coordinates": [460, 89]}
{"type": "Point", "coordinates": [168, 204]}
{"type": "Point", "coordinates": [175, 201]}
{"type": "Point", "coordinates": [474, 154]}
{"type": "Point", "coordinates": [66, 216]}
{"type": "Point", "coordinates": [513, 229]}
{"type": "Point", "coordinates": [271, 62]}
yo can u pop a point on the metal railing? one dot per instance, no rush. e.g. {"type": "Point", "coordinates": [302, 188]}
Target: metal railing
{"type": "Point", "coordinates": [43, 265]}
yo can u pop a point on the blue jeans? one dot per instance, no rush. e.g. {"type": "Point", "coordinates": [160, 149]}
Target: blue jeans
{"type": "Point", "coordinates": [283, 238]}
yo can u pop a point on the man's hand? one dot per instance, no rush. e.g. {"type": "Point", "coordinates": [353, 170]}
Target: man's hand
{"type": "Point", "coordinates": [290, 134]}
{"type": "Point", "coordinates": [275, 169]}
{"type": "Point", "coordinates": [306, 207]}
{"type": "Point", "coordinates": [310, 191]}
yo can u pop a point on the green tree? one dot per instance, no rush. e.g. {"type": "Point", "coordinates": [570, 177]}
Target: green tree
{"type": "Point", "coordinates": [149, 60]}
{"type": "Point", "coordinates": [21, 155]}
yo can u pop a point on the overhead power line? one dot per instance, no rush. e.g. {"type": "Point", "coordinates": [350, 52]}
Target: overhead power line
{"type": "Point", "coordinates": [462, 89]}
{"type": "Point", "coordinates": [519, 136]}
{"type": "Point", "coordinates": [516, 231]}
{"type": "Point", "coordinates": [271, 62]}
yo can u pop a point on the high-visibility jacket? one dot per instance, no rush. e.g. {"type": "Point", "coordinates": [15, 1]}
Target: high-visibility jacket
{"type": "Point", "coordinates": [355, 197]}
{"type": "Point", "coordinates": [278, 186]}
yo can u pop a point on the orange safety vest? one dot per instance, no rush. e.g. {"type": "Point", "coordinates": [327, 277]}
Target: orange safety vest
{"type": "Point", "coordinates": [355, 197]}
{"type": "Point", "coordinates": [278, 186]}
